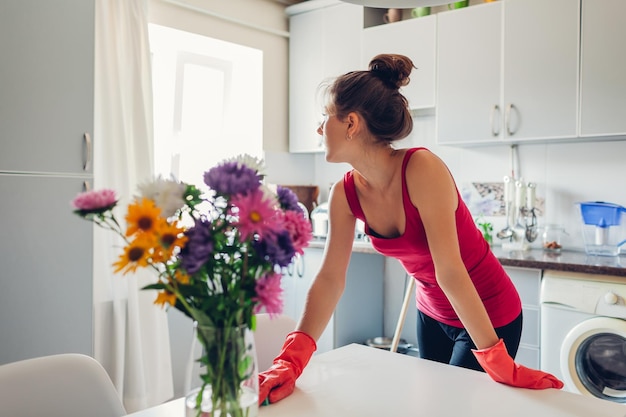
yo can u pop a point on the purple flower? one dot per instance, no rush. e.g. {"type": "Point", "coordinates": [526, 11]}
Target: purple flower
{"type": "Point", "coordinates": [199, 247]}
{"type": "Point", "coordinates": [288, 199]}
{"type": "Point", "coordinates": [277, 248]}
{"type": "Point", "coordinates": [232, 178]}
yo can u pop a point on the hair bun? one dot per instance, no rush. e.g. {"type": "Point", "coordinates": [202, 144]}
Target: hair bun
{"type": "Point", "coordinates": [393, 69]}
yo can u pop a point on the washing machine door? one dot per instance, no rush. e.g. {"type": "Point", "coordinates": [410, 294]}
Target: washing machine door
{"type": "Point", "coordinates": [593, 358]}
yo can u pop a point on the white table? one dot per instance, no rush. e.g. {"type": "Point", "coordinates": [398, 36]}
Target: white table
{"type": "Point", "coordinates": [360, 381]}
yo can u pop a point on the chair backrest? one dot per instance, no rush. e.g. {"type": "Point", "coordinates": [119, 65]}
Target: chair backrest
{"type": "Point", "coordinates": [269, 337]}
{"type": "Point", "coordinates": [64, 385]}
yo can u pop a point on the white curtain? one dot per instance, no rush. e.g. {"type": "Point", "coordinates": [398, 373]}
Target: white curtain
{"type": "Point", "coordinates": [131, 334]}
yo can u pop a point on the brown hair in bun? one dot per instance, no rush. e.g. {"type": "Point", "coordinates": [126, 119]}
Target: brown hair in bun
{"type": "Point", "coordinates": [375, 95]}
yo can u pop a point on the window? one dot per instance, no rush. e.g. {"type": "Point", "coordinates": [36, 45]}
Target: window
{"type": "Point", "coordinates": [207, 102]}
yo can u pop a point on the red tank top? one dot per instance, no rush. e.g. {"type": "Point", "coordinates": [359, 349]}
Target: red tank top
{"type": "Point", "coordinates": [494, 287]}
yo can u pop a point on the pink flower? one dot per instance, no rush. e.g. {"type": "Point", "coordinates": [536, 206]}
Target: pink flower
{"type": "Point", "coordinates": [255, 213]}
{"type": "Point", "coordinates": [299, 229]}
{"type": "Point", "coordinates": [269, 294]}
{"type": "Point", "coordinates": [95, 201]}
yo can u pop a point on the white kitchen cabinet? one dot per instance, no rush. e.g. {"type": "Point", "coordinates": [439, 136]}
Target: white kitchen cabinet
{"type": "Point", "coordinates": [528, 284]}
{"type": "Point", "coordinates": [415, 38]}
{"type": "Point", "coordinates": [324, 42]}
{"type": "Point", "coordinates": [603, 65]}
{"type": "Point", "coordinates": [46, 84]}
{"type": "Point", "coordinates": [508, 72]}
{"type": "Point", "coordinates": [469, 74]}
{"type": "Point", "coordinates": [359, 313]}
{"type": "Point", "coordinates": [46, 107]}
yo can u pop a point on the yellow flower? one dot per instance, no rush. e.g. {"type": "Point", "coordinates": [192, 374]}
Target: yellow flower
{"type": "Point", "coordinates": [181, 277]}
{"type": "Point", "coordinates": [165, 297]}
{"type": "Point", "coordinates": [143, 216]}
{"type": "Point", "coordinates": [169, 237]}
{"type": "Point", "coordinates": [136, 254]}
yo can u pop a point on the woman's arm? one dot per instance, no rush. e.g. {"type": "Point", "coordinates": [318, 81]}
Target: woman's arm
{"type": "Point", "coordinates": [434, 193]}
{"type": "Point", "coordinates": [329, 282]}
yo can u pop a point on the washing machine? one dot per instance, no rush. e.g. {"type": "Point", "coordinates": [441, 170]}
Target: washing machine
{"type": "Point", "coordinates": [583, 333]}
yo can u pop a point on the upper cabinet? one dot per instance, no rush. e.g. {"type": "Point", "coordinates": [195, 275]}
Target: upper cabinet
{"type": "Point", "coordinates": [46, 86]}
{"type": "Point", "coordinates": [603, 65]}
{"type": "Point", "coordinates": [325, 41]}
{"type": "Point", "coordinates": [415, 38]}
{"type": "Point", "coordinates": [469, 74]}
{"type": "Point", "coordinates": [508, 72]}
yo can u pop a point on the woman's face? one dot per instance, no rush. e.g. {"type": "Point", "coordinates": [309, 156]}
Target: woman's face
{"type": "Point", "coordinates": [334, 132]}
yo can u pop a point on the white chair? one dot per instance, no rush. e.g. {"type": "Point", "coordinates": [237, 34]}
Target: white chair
{"type": "Point", "coordinates": [269, 337]}
{"type": "Point", "coordinates": [63, 385]}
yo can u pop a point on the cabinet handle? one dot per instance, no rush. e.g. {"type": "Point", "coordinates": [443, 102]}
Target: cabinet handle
{"type": "Point", "coordinates": [300, 266]}
{"type": "Point", "coordinates": [495, 110]}
{"type": "Point", "coordinates": [509, 107]}
{"type": "Point", "coordinates": [86, 186]}
{"type": "Point", "coordinates": [88, 152]}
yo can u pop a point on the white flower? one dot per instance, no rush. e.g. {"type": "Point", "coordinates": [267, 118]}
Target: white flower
{"type": "Point", "coordinates": [269, 193]}
{"type": "Point", "coordinates": [166, 194]}
{"type": "Point", "coordinates": [250, 161]}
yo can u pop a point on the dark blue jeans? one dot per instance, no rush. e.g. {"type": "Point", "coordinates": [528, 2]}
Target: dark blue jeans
{"type": "Point", "coordinates": [443, 343]}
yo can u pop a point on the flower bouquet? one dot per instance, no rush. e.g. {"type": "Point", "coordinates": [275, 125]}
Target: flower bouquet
{"type": "Point", "coordinates": [217, 256]}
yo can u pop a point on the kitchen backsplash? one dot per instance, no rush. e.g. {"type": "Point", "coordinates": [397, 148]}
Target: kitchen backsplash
{"type": "Point", "coordinates": [565, 174]}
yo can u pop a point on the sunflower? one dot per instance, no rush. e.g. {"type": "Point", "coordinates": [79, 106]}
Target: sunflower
{"type": "Point", "coordinates": [181, 277]}
{"type": "Point", "coordinates": [169, 237]}
{"type": "Point", "coordinates": [136, 254]}
{"type": "Point", "coordinates": [165, 297]}
{"type": "Point", "coordinates": [143, 216]}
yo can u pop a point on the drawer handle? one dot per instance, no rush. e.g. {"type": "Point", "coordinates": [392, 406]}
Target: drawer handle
{"type": "Point", "coordinates": [88, 152]}
{"type": "Point", "coordinates": [495, 110]}
{"type": "Point", "coordinates": [508, 119]}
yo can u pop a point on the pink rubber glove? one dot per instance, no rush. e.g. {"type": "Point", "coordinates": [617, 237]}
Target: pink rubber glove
{"type": "Point", "coordinates": [279, 381]}
{"type": "Point", "coordinates": [501, 368]}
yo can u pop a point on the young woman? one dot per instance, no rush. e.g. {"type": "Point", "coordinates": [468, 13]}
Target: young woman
{"type": "Point", "coordinates": [469, 312]}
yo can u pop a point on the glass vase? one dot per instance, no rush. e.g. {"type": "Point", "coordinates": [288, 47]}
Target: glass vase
{"type": "Point", "coordinates": [230, 374]}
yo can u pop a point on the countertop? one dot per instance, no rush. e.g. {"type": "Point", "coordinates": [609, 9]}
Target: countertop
{"type": "Point", "coordinates": [357, 380]}
{"type": "Point", "coordinates": [568, 261]}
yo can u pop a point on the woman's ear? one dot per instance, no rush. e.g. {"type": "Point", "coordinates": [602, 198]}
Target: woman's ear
{"type": "Point", "coordinates": [354, 123]}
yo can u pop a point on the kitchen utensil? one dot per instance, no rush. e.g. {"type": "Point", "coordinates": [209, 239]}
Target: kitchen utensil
{"type": "Point", "coordinates": [458, 4]}
{"type": "Point", "coordinates": [420, 11]}
{"type": "Point", "coordinates": [384, 343]}
{"type": "Point", "coordinates": [392, 15]}
{"type": "Point", "coordinates": [507, 232]}
{"type": "Point", "coordinates": [531, 226]}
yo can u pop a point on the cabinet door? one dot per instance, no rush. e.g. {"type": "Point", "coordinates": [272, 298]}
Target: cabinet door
{"type": "Point", "coordinates": [468, 74]}
{"type": "Point", "coordinates": [288, 283]}
{"type": "Point", "coordinates": [306, 71]}
{"type": "Point", "coordinates": [603, 65]}
{"type": "Point", "coordinates": [46, 84]}
{"type": "Point", "coordinates": [528, 284]}
{"type": "Point", "coordinates": [46, 258]}
{"type": "Point", "coordinates": [414, 38]}
{"type": "Point", "coordinates": [359, 313]}
{"type": "Point", "coordinates": [324, 43]}
{"type": "Point", "coordinates": [540, 76]}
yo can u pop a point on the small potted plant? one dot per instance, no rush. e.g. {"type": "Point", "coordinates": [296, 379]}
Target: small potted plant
{"type": "Point", "coordinates": [487, 229]}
